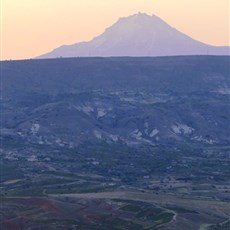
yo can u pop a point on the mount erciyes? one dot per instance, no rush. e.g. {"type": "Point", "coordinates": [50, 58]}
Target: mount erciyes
{"type": "Point", "coordinates": [138, 35]}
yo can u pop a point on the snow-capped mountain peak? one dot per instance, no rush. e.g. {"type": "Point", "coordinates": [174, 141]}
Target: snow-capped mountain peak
{"type": "Point", "coordinates": [138, 35]}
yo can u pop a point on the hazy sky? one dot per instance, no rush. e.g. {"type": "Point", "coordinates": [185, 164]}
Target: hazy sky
{"type": "Point", "coordinates": [33, 27]}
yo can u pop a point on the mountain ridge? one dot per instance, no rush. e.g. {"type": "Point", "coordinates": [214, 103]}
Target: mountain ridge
{"type": "Point", "coordinates": [121, 100]}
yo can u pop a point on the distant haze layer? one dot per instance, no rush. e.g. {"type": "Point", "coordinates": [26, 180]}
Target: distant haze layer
{"type": "Point", "coordinates": [29, 28]}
